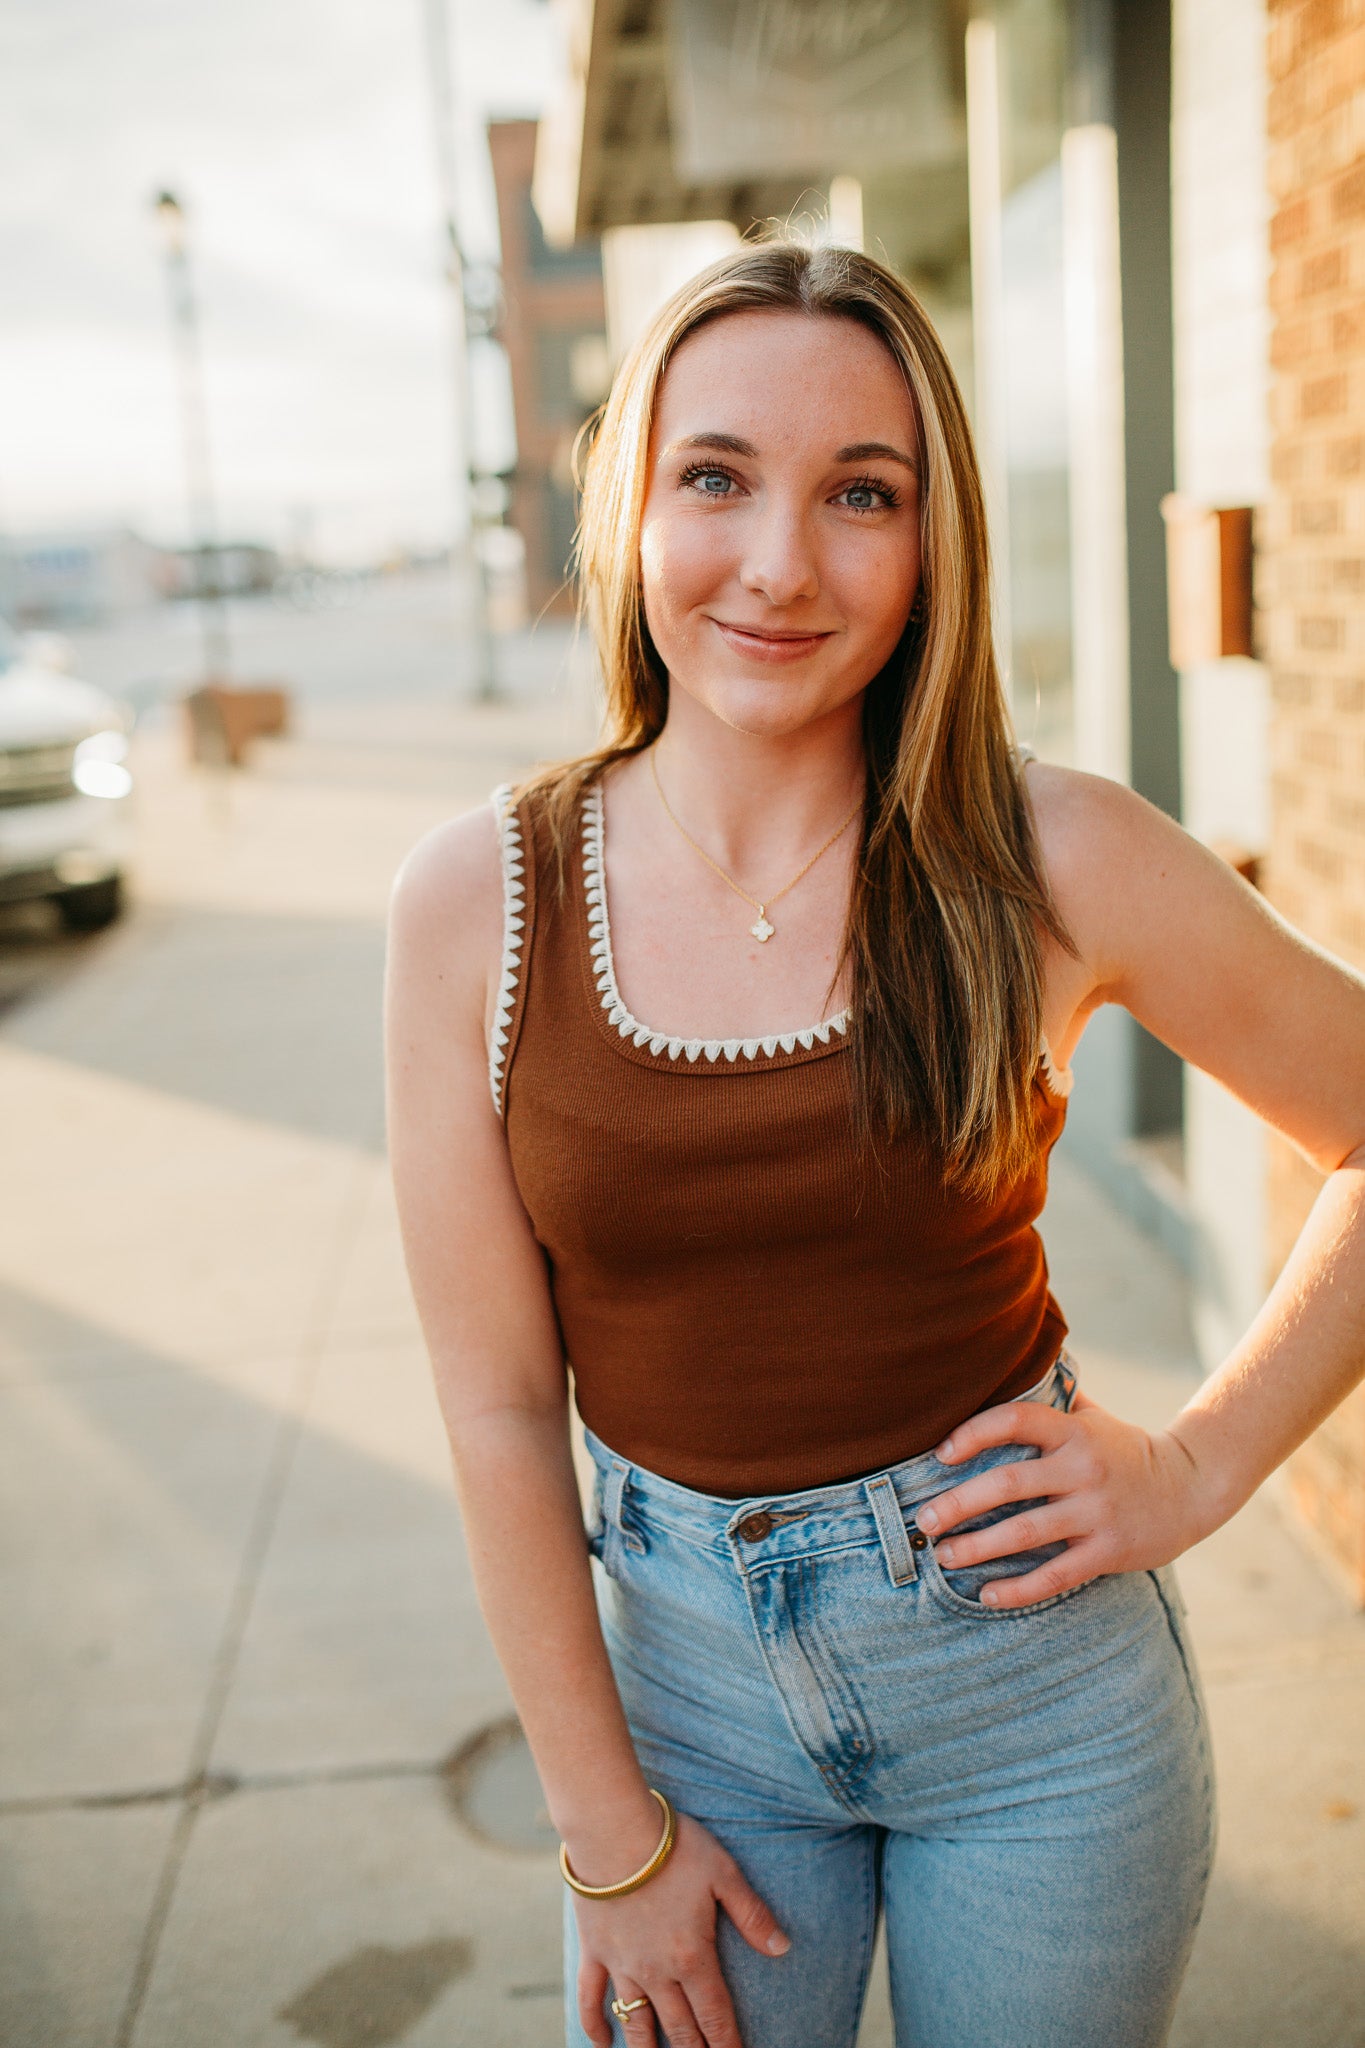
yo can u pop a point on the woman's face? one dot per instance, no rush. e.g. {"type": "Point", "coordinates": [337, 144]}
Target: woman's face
{"type": "Point", "coordinates": [780, 542]}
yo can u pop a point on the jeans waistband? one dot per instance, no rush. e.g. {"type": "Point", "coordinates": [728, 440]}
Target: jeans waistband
{"type": "Point", "coordinates": [766, 1527]}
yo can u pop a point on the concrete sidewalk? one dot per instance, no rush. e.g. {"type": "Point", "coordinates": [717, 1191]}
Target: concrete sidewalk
{"type": "Point", "coordinates": [248, 1795]}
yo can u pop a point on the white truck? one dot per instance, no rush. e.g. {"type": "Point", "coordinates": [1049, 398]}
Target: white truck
{"type": "Point", "coordinates": [65, 786]}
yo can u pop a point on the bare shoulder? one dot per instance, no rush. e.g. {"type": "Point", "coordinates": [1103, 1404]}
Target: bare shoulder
{"type": "Point", "coordinates": [1173, 934]}
{"type": "Point", "coordinates": [457, 866]}
{"type": "Point", "coordinates": [1111, 857]}
{"type": "Point", "coordinates": [445, 911]}
{"type": "Point", "coordinates": [1080, 817]}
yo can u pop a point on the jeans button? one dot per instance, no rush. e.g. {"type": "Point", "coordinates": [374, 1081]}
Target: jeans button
{"type": "Point", "coordinates": [755, 1527]}
{"type": "Point", "coordinates": [918, 1540]}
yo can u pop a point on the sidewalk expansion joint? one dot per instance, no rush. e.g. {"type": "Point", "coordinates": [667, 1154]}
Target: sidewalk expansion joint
{"type": "Point", "coordinates": [255, 1550]}
{"type": "Point", "coordinates": [211, 1786]}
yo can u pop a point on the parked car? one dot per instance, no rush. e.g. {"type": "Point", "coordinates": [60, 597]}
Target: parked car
{"type": "Point", "coordinates": [64, 785]}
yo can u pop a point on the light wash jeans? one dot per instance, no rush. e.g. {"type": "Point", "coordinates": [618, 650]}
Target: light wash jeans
{"type": "Point", "coordinates": [1026, 1796]}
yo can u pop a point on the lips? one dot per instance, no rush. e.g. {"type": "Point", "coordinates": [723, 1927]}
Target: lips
{"type": "Point", "coordinates": [762, 644]}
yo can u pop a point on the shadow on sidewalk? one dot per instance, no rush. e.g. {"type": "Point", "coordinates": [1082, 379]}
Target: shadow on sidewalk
{"type": "Point", "coordinates": [277, 1019]}
{"type": "Point", "coordinates": [239, 1628]}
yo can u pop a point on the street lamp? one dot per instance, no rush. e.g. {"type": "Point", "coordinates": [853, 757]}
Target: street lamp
{"type": "Point", "coordinates": [170, 215]}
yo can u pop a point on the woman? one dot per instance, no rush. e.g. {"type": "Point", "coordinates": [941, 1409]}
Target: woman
{"type": "Point", "coordinates": [884, 1618]}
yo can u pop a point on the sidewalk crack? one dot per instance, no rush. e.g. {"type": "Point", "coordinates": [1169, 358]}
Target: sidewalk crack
{"type": "Point", "coordinates": [260, 1533]}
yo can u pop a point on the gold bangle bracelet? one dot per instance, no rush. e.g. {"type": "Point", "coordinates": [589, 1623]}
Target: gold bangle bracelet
{"type": "Point", "coordinates": [642, 1875]}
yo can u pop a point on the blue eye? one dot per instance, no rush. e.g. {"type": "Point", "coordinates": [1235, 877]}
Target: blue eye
{"type": "Point", "coordinates": [707, 479]}
{"type": "Point", "coordinates": [867, 495]}
{"type": "Point", "coordinates": [711, 482]}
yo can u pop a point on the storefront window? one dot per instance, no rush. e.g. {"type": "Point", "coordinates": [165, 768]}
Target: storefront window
{"type": "Point", "coordinates": [1033, 545]}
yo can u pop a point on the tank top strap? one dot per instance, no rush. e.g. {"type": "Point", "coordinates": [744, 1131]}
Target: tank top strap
{"type": "Point", "coordinates": [1059, 1079]}
{"type": "Point", "coordinates": [518, 912]}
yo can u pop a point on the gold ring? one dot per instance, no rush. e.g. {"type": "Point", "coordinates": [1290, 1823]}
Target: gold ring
{"type": "Point", "coordinates": [622, 2006]}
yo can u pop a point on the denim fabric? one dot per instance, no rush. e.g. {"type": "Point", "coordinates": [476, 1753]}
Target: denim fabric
{"type": "Point", "coordinates": [1027, 1797]}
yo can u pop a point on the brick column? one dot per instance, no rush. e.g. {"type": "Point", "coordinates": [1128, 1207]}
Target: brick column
{"type": "Point", "coordinates": [1311, 591]}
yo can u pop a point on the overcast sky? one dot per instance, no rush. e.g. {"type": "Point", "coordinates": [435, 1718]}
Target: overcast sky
{"type": "Point", "coordinates": [298, 134]}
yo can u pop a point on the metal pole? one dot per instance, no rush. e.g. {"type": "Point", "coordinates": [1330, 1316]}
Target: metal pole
{"type": "Point", "coordinates": [213, 616]}
{"type": "Point", "coordinates": [445, 118]}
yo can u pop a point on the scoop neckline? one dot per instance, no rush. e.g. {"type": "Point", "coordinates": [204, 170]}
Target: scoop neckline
{"type": "Point", "coordinates": [827, 1036]}
{"type": "Point", "coordinates": [634, 1038]}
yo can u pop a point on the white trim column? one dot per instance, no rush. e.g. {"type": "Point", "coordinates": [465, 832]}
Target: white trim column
{"type": "Point", "coordinates": [991, 422]}
{"type": "Point", "coordinates": [1099, 527]}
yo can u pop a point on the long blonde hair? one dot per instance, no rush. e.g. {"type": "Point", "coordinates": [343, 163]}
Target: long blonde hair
{"type": "Point", "coordinates": [944, 935]}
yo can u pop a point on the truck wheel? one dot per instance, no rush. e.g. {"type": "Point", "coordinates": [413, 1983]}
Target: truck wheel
{"type": "Point", "coordinates": [92, 906]}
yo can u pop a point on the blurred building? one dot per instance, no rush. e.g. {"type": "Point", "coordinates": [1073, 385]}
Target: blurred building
{"type": "Point", "coordinates": [234, 568]}
{"type": "Point", "coordinates": [553, 327]}
{"type": "Point", "coordinates": [83, 576]}
{"type": "Point", "coordinates": [1140, 227]}
{"type": "Point", "coordinates": [80, 576]}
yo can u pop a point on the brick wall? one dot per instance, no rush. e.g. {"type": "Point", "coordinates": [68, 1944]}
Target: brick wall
{"type": "Point", "coordinates": [1312, 591]}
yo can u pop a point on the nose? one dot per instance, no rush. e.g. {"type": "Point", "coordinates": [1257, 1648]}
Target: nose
{"type": "Point", "coordinates": [779, 561]}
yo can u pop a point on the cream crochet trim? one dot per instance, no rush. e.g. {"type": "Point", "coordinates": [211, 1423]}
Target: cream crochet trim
{"type": "Point", "coordinates": [1060, 1079]}
{"type": "Point", "coordinates": [513, 933]}
{"type": "Point", "coordinates": [659, 1042]}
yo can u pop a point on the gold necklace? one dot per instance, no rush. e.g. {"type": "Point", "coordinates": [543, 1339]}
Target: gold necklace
{"type": "Point", "coordinates": [763, 928]}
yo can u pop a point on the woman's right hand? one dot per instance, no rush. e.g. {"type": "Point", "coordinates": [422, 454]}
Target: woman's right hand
{"type": "Point", "coordinates": [660, 1943]}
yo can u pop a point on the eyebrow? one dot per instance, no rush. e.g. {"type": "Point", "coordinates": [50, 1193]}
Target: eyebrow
{"type": "Point", "coordinates": [873, 451]}
{"type": "Point", "coordinates": [731, 443]}
{"type": "Point", "coordinates": [857, 451]}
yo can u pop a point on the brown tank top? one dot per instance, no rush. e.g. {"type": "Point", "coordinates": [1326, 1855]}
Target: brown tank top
{"type": "Point", "coordinates": [749, 1304]}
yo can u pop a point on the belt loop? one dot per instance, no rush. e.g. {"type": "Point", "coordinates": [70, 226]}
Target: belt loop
{"type": "Point", "coordinates": [614, 1501]}
{"type": "Point", "coordinates": [900, 1559]}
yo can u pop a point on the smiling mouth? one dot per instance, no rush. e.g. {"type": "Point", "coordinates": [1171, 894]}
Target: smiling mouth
{"type": "Point", "coordinates": [767, 644]}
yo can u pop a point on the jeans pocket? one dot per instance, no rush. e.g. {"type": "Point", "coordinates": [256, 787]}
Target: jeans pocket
{"type": "Point", "coordinates": [959, 1587]}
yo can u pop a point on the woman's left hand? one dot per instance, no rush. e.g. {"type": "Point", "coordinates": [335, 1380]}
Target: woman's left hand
{"type": "Point", "coordinates": [1119, 1498]}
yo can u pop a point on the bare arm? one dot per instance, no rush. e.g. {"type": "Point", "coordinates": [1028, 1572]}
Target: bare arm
{"type": "Point", "coordinates": [480, 1284]}
{"type": "Point", "coordinates": [478, 1278]}
{"type": "Point", "coordinates": [1170, 932]}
